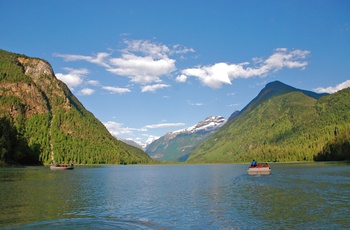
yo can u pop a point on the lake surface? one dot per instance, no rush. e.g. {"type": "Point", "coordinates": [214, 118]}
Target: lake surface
{"type": "Point", "coordinates": [294, 196]}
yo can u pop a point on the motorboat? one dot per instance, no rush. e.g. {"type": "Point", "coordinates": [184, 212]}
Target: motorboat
{"type": "Point", "coordinates": [259, 169]}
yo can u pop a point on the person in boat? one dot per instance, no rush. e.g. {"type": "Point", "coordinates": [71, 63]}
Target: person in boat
{"type": "Point", "coordinates": [254, 163]}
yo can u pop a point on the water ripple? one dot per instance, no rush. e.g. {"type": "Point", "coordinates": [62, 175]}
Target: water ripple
{"type": "Point", "coordinates": [91, 223]}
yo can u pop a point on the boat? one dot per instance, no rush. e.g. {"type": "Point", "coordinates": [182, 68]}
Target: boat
{"type": "Point", "coordinates": [259, 169]}
{"type": "Point", "coordinates": [61, 167]}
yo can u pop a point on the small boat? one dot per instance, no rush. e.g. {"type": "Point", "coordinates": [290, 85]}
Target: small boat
{"type": "Point", "coordinates": [61, 167]}
{"type": "Point", "coordinates": [259, 169]}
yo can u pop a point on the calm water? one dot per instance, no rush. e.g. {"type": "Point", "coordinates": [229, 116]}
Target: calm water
{"type": "Point", "coordinates": [294, 196]}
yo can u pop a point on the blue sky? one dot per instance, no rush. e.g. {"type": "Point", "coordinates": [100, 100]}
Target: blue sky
{"type": "Point", "coordinates": [145, 68]}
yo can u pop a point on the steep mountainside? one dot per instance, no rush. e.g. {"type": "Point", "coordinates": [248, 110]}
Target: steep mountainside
{"type": "Point", "coordinates": [41, 120]}
{"type": "Point", "coordinates": [283, 124]}
{"type": "Point", "coordinates": [176, 146]}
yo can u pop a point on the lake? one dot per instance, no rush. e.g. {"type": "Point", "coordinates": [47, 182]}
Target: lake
{"type": "Point", "coordinates": [218, 196]}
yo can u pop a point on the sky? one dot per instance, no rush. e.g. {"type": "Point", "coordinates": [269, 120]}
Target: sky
{"type": "Point", "coordinates": [146, 68]}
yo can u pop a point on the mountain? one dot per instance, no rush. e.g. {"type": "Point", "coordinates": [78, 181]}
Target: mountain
{"type": "Point", "coordinates": [42, 121]}
{"type": "Point", "coordinates": [177, 145]}
{"type": "Point", "coordinates": [276, 88]}
{"type": "Point", "coordinates": [134, 143]}
{"type": "Point", "coordinates": [283, 124]}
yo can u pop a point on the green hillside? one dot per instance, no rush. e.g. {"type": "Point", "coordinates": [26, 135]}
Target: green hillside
{"type": "Point", "coordinates": [41, 120]}
{"type": "Point", "coordinates": [283, 124]}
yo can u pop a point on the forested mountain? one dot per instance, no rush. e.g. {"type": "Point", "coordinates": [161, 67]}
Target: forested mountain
{"type": "Point", "coordinates": [178, 145]}
{"type": "Point", "coordinates": [41, 120]}
{"type": "Point", "coordinates": [283, 124]}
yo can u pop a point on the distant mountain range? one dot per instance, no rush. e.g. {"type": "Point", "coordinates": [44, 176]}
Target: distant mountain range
{"type": "Point", "coordinates": [42, 121]}
{"type": "Point", "coordinates": [177, 145]}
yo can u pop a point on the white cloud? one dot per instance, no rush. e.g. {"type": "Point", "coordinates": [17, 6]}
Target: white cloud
{"type": "Point", "coordinates": [142, 61]}
{"type": "Point", "coordinates": [116, 89]}
{"type": "Point", "coordinates": [213, 76]}
{"type": "Point", "coordinates": [73, 78]}
{"type": "Point", "coordinates": [334, 89]}
{"type": "Point", "coordinates": [146, 62]}
{"type": "Point", "coordinates": [181, 78]}
{"type": "Point", "coordinates": [99, 59]}
{"type": "Point", "coordinates": [152, 88]}
{"type": "Point", "coordinates": [93, 82]}
{"type": "Point", "coordinates": [281, 58]}
{"type": "Point", "coordinates": [223, 73]}
{"type": "Point", "coordinates": [178, 49]}
{"type": "Point", "coordinates": [163, 125]}
{"type": "Point", "coordinates": [142, 70]}
{"type": "Point", "coordinates": [118, 129]}
{"type": "Point", "coordinates": [155, 50]}
{"type": "Point", "coordinates": [195, 103]}
{"type": "Point", "coordinates": [86, 91]}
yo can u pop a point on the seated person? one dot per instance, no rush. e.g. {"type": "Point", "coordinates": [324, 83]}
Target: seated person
{"type": "Point", "coordinates": [253, 164]}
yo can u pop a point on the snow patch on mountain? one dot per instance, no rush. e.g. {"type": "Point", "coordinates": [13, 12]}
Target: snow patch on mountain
{"type": "Point", "coordinates": [178, 145]}
{"type": "Point", "coordinates": [210, 124]}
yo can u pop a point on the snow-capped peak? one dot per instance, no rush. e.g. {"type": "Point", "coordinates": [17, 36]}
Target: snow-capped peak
{"type": "Point", "coordinates": [209, 124]}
